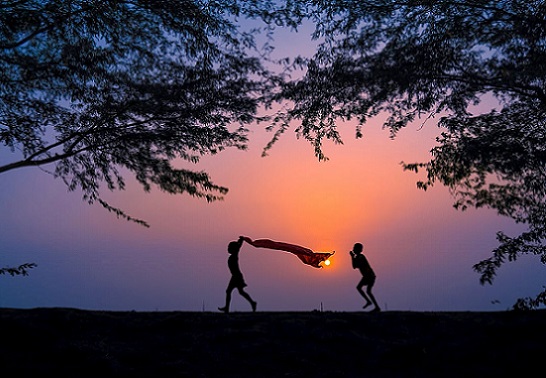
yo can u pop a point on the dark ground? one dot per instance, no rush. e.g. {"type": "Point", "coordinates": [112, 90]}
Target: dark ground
{"type": "Point", "coordinates": [64, 342]}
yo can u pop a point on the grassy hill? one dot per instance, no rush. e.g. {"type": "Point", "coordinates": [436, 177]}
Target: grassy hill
{"type": "Point", "coordinates": [65, 342]}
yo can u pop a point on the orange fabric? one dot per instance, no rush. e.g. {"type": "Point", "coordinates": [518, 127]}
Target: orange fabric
{"type": "Point", "coordinates": [306, 255]}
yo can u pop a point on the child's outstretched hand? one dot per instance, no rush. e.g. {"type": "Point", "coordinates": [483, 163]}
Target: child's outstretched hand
{"type": "Point", "coordinates": [245, 238]}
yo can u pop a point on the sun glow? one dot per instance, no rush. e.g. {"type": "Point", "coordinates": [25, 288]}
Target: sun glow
{"type": "Point", "coordinates": [327, 262]}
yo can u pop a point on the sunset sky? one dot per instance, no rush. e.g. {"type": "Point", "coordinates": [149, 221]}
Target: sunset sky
{"type": "Point", "coordinates": [421, 249]}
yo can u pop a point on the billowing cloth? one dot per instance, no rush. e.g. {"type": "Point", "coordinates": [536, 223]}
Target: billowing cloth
{"type": "Point", "coordinates": [306, 255]}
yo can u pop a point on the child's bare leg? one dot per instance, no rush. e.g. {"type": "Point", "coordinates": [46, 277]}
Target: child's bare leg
{"type": "Point", "coordinates": [372, 297]}
{"type": "Point", "coordinates": [228, 300]}
{"type": "Point", "coordinates": [245, 295]}
{"type": "Point", "coordinates": [359, 288]}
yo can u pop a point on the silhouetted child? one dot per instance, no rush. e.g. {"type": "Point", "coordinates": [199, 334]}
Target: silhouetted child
{"type": "Point", "coordinates": [368, 276]}
{"type": "Point", "coordinates": [237, 280]}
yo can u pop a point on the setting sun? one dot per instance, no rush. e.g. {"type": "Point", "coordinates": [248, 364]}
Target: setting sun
{"type": "Point", "coordinates": [327, 262]}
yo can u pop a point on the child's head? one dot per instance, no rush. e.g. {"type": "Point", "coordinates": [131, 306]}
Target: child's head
{"type": "Point", "coordinates": [357, 248]}
{"type": "Point", "coordinates": [233, 247]}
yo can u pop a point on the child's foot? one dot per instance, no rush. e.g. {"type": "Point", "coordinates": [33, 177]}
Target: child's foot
{"type": "Point", "coordinates": [377, 309]}
{"type": "Point", "coordinates": [367, 305]}
{"type": "Point", "coordinates": [253, 304]}
{"type": "Point", "coordinates": [223, 309]}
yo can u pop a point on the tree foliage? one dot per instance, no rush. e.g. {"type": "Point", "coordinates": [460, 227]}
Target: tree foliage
{"type": "Point", "coordinates": [21, 270]}
{"type": "Point", "coordinates": [102, 88]}
{"type": "Point", "coordinates": [417, 59]}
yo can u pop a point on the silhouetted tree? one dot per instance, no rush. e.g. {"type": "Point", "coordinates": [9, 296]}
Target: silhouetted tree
{"type": "Point", "coordinates": [21, 270]}
{"type": "Point", "coordinates": [414, 59]}
{"type": "Point", "coordinates": [101, 88]}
